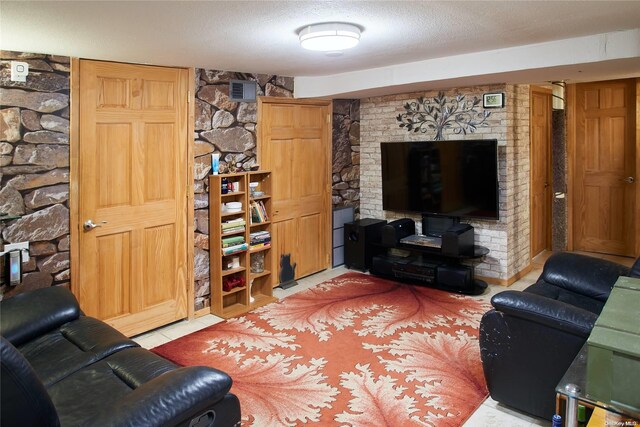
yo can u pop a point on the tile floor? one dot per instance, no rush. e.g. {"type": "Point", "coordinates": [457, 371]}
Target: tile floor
{"type": "Point", "coordinates": [489, 414]}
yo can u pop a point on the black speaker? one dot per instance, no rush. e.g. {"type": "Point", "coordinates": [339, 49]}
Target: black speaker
{"type": "Point", "coordinates": [458, 240]}
{"type": "Point", "coordinates": [396, 230]}
{"type": "Point", "coordinates": [358, 236]}
{"type": "Point", "coordinates": [455, 277]}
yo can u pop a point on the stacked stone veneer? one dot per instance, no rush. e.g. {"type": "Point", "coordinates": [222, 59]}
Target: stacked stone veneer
{"type": "Point", "coordinates": [346, 154]}
{"type": "Point", "coordinates": [228, 128]}
{"type": "Point", "coordinates": [507, 238]}
{"type": "Point", "coordinates": [34, 160]}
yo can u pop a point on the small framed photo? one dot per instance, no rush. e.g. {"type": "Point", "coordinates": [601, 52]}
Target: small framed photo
{"type": "Point", "coordinates": [493, 100]}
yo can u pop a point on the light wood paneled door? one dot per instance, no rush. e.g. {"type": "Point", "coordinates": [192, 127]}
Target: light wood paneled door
{"type": "Point", "coordinates": [132, 165]}
{"type": "Point", "coordinates": [541, 168]}
{"type": "Point", "coordinates": [605, 168]}
{"type": "Point", "coordinates": [295, 144]}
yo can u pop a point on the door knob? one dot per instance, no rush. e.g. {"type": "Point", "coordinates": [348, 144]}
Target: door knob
{"type": "Point", "coordinates": [629, 180]}
{"type": "Point", "coordinates": [89, 225]}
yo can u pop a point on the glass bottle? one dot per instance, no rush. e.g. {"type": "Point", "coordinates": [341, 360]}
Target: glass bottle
{"type": "Point", "coordinates": [582, 416]}
{"type": "Point", "coordinates": [225, 186]}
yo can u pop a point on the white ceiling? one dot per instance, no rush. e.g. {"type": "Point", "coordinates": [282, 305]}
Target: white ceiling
{"type": "Point", "coordinates": [260, 36]}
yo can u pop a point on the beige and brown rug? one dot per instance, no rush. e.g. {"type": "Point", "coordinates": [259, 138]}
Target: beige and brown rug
{"type": "Point", "coordinates": [353, 351]}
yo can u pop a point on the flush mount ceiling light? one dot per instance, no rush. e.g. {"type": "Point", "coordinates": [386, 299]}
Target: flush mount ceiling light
{"type": "Point", "coordinates": [329, 36]}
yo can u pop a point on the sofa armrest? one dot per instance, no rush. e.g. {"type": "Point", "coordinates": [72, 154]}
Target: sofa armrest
{"type": "Point", "coordinates": [31, 314]}
{"type": "Point", "coordinates": [25, 401]}
{"type": "Point", "coordinates": [549, 312]}
{"type": "Point", "coordinates": [592, 277]}
{"type": "Point", "coordinates": [173, 398]}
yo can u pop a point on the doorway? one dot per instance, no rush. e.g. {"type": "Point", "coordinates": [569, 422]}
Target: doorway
{"type": "Point", "coordinates": [295, 145]}
{"type": "Point", "coordinates": [603, 149]}
{"type": "Point", "coordinates": [541, 169]}
{"type": "Point", "coordinates": [132, 263]}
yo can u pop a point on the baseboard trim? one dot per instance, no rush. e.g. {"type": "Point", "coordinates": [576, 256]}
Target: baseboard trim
{"type": "Point", "coordinates": [510, 281]}
{"type": "Point", "coordinates": [202, 312]}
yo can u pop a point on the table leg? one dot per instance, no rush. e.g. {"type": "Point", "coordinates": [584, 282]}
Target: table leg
{"type": "Point", "coordinates": [571, 414]}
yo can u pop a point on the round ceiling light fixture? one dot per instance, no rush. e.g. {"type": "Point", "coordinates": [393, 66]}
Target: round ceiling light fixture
{"type": "Point", "coordinates": [329, 36]}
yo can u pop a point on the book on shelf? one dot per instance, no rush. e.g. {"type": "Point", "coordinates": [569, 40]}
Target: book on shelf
{"type": "Point", "coordinates": [232, 241]}
{"type": "Point", "coordinates": [235, 248]}
{"type": "Point", "coordinates": [259, 237]}
{"type": "Point", "coordinates": [260, 245]}
{"type": "Point", "coordinates": [232, 224]}
{"type": "Point", "coordinates": [258, 212]}
{"type": "Point", "coordinates": [233, 230]}
{"type": "Point", "coordinates": [259, 234]}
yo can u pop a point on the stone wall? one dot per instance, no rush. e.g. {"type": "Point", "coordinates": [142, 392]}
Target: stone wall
{"type": "Point", "coordinates": [34, 156]}
{"type": "Point", "coordinates": [229, 128]}
{"type": "Point", "coordinates": [559, 160]}
{"type": "Point", "coordinates": [346, 154]}
{"type": "Point", "coordinates": [507, 238]}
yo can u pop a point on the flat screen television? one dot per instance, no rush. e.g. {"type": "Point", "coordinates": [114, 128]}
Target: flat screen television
{"type": "Point", "coordinates": [455, 178]}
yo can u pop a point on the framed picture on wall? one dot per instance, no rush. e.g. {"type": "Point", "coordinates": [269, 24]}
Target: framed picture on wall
{"type": "Point", "coordinates": [493, 100]}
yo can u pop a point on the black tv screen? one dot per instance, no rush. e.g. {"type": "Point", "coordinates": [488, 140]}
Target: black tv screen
{"type": "Point", "coordinates": [456, 178]}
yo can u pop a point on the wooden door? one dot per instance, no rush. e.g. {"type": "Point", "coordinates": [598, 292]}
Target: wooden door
{"type": "Point", "coordinates": [605, 167]}
{"type": "Point", "coordinates": [132, 184]}
{"type": "Point", "coordinates": [541, 168]}
{"type": "Point", "coordinates": [295, 144]}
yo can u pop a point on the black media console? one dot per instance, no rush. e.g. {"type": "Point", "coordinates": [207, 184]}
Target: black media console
{"type": "Point", "coordinates": [434, 262]}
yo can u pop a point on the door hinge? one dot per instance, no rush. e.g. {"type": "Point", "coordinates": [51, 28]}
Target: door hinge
{"type": "Point", "coordinates": [188, 97]}
{"type": "Point", "coordinates": [328, 118]}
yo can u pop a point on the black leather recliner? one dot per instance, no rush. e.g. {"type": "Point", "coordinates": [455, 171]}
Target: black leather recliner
{"type": "Point", "coordinates": [529, 339]}
{"type": "Point", "coordinates": [60, 368]}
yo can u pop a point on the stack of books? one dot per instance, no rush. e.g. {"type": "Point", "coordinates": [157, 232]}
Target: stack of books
{"type": "Point", "coordinates": [259, 239]}
{"type": "Point", "coordinates": [233, 225]}
{"type": "Point", "coordinates": [258, 212]}
{"type": "Point", "coordinates": [231, 245]}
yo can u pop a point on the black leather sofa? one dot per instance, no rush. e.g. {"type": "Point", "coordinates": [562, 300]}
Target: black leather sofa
{"type": "Point", "coordinates": [529, 339]}
{"type": "Point", "coordinates": [60, 368]}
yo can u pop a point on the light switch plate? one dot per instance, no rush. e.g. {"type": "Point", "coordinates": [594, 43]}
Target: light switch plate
{"type": "Point", "coordinates": [19, 71]}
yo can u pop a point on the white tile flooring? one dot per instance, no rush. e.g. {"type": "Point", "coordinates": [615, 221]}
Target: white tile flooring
{"type": "Point", "coordinates": [489, 414]}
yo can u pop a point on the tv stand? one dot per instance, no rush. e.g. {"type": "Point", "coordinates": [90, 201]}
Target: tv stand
{"type": "Point", "coordinates": [429, 266]}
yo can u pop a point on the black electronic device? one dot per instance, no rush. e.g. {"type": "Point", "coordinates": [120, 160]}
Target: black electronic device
{"type": "Point", "coordinates": [458, 240]}
{"type": "Point", "coordinates": [382, 265]}
{"type": "Point", "coordinates": [457, 278]}
{"type": "Point", "coordinates": [358, 238]}
{"type": "Point", "coordinates": [396, 230]}
{"type": "Point", "coordinates": [455, 178]}
{"type": "Point", "coordinates": [421, 270]}
{"type": "Point", "coordinates": [14, 267]}
{"type": "Point", "coordinates": [435, 225]}
{"type": "Point", "coordinates": [416, 269]}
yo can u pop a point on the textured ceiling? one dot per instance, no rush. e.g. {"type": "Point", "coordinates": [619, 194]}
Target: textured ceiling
{"type": "Point", "coordinates": [260, 36]}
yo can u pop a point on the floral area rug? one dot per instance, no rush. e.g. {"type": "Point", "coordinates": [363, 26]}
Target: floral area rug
{"type": "Point", "coordinates": [353, 351]}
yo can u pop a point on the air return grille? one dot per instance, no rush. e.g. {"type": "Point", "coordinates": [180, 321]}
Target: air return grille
{"type": "Point", "coordinates": [242, 91]}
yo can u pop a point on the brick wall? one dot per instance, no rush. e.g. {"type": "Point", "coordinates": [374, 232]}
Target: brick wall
{"type": "Point", "coordinates": [507, 238]}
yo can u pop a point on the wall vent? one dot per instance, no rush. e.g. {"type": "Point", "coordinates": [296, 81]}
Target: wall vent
{"type": "Point", "coordinates": [242, 91]}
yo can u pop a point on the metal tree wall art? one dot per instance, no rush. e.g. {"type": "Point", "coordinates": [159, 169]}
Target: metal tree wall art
{"type": "Point", "coordinates": [439, 113]}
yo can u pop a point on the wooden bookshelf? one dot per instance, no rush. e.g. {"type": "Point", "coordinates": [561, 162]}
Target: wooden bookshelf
{"type": "Point", "coordinates": [262, 283]}
{"type": "Point", "coordinates": [238, 300]}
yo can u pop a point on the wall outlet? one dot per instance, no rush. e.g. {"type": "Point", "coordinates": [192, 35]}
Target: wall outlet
{"type": "Point", "coordinates": [23, 247]}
